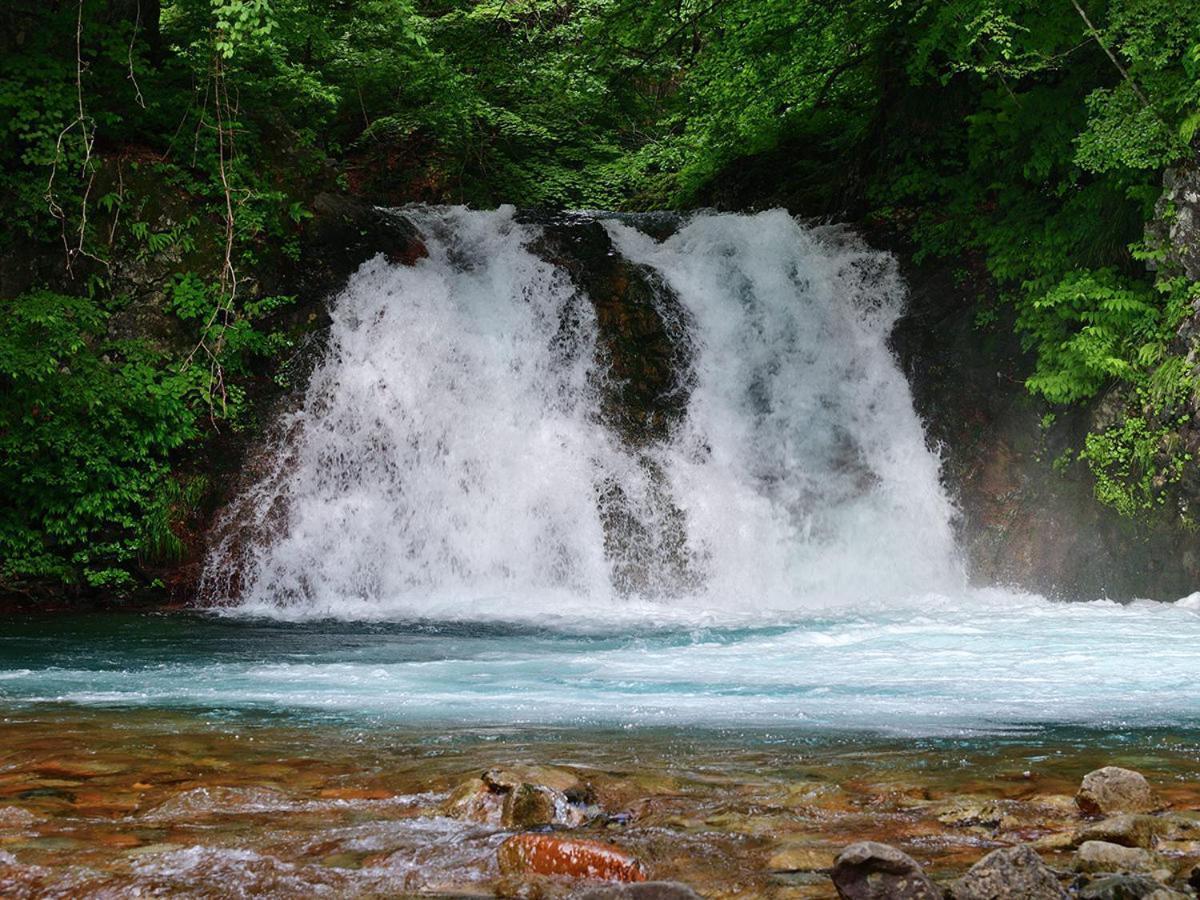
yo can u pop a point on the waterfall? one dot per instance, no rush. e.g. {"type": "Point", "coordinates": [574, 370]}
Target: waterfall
{"type": "Point", "coordinates": [705, 420]}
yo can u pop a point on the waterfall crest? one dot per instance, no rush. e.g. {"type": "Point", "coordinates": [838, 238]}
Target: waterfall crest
{"type": "Point", "coordinates": [715, 424]}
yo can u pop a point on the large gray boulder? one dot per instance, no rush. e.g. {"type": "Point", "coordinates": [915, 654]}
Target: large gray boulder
{"type": "Point", "coordinates": [872, 871]}
{"type": "Point", "coordinates": [1014, 873]}
{"type": "Point", "coordinates": [1112, 790]}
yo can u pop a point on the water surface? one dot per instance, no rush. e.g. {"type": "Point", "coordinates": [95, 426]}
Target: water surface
{"type": "Point", "coordinates": [993, 662]}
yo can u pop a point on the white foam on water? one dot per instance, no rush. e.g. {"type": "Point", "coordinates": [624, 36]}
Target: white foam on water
{"type": "Point", "coordinates": [450, 455]}
{"type": "Point", "coordinates": [980, 662]}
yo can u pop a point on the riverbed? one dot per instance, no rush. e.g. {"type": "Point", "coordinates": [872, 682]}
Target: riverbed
{"type": "Point", "coordinates": [202, 755]}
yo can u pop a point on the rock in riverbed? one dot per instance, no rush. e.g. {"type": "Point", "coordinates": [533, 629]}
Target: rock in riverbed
{"type": "Point", "coordinates": [793, 857]}
{"type": "Point", "coordinates": [872, 871]}
{"type": "Point", "coordinates": [506, 778]}
{"type": "Point", "coordinates": [474, 801]}
{"type": "Point", "coordinates": [1101, 856]}
{"type": "Point", "coordinates": [1127, 830]}
{"type": "Point", "coordinates": [548, 854]}
{"type": "Point", "coordinates": [531, 805]}
{"type": "Point", "coordinates": [520, 797]}
{"type": "Point", "coordinates": [1017, 873]}
{"type": "Point", "coordinates": [1113, 790]}
{"type": "Point", "coordinates": [968, 811]}
{"type": "Point", "coordinates": [1127, 887]}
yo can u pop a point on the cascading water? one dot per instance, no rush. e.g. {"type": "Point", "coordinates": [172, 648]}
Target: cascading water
{"type": "Point", "coordinates": [576, 474]}
{"type": "Point", "coordinates": [454, 456]}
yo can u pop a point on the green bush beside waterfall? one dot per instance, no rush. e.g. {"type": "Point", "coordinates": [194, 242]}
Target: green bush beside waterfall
{"type": "Point", "coordinates": [159, 161]}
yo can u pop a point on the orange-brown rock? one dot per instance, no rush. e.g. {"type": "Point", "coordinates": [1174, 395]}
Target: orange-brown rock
{"type": "Point", "coordinates": [547, 854]}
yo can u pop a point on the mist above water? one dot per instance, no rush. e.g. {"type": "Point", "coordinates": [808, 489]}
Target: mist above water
{"type": "Point", "coordinates": [452, 460]}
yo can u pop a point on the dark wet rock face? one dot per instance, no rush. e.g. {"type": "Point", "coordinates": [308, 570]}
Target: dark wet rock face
{"type": "Point", "coordinates": [1176, 227]}
{"type": "Point", "coordinates": [872, 871]}
{"type": "Point", "coordinates": [645, 381]}
{"type": "Point", "coordinates": [1176, 232]}
{"type": "Point", "coordinates": [1023, 521]}
{"type": "Point", "coordinates": [1012, 872]}
{"type": "Point", "coordinates": [343, 234]}
{"type": "Point", "coordinates": [642, 330]}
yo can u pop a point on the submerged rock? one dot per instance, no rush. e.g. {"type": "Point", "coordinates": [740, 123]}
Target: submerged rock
{"type": "Point", "coordinates": [801, 858]}
{"type": "Point", "coordinates": [474, 801]}
{"type": "Point", "coordinates": [1011, 872]}
{"type": "Point", "coordinates": [967, 811]}
{"type": "Point", "coordinates": [547, 854]}
{"type": "Point", "coordinates": [645, 890]}
{"type": "Point", "coordinates": [531, 805]}
{"type": "Point", "coordinates": [14, 818]}
{"type": "Point", "coordinates": [1112, 790]}
{"type": "Point", "coordinates": [869, 870]}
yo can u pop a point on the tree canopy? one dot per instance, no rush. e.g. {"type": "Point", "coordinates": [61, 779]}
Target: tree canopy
{"type": "Point", "coordinates": [1027, 137]}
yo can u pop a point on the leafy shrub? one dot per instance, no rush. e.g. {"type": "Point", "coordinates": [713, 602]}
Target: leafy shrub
{"type": "Point", "coordinates": [87, 427]}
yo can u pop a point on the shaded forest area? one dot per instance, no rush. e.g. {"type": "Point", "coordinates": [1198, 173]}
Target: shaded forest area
{"type": "Point", "coordinates": [167, 165]}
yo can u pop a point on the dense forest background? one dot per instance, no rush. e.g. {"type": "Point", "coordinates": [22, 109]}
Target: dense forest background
{"type": "Point", "coordinates": [162, 163]}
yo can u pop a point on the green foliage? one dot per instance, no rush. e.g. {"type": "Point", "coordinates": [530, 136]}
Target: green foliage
{"type": "Point", "coordinates": [173, 502]}
{"type": "Point", "coordinates": [87, 426]}
{"type": "Point", "coordinates": [1025, 140]}
{"type": "Point", "coordinates": [240, 25]}
{"type": "Point", "coordinates": [1134, 463]}
{"type": "Point", "coordinates": [1084, 329]}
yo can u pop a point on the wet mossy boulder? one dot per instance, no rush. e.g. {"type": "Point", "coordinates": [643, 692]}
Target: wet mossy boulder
{"type": "Point", "coordinates": [870, 870]}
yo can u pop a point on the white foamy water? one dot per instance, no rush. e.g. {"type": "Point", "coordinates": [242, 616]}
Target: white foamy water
{"type": "Point", "coordinates": [450, 458]}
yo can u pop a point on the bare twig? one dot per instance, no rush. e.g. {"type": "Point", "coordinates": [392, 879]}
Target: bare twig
{"type": "Point", "coordinates": [1108, 52]}
{"type": "Point", "coordinates": [88, 135]}
{"type": "Point", "coordinates": [225, 114]}
{"type": "Point", "coordinates": [132, 38]}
